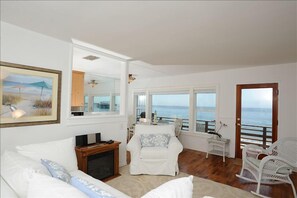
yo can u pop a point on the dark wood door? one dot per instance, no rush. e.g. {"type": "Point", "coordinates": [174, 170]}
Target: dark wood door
{"type": "Point", "coordinates": [256, 115]}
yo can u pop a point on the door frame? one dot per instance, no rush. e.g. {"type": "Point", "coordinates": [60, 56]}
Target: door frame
{"type": "Point", "coordinates": [275, 94]}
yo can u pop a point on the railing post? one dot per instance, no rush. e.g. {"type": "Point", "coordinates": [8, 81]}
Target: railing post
{"type": "Point", "coordinates": [206, 126]}
{"type": "Point", "coordinates": [264, 136]}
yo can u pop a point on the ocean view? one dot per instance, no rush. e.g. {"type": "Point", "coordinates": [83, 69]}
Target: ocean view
{"type": "Point", "coordinates": [250, 116]}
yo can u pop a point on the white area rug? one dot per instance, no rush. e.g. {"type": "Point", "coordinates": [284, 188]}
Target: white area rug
{"type": "Point", "coordinates": [136, 186]}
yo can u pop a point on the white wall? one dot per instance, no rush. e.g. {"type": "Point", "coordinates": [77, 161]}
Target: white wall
{"type": "Point", "coordinates": [227, 80]}
{"type": "Point", "coordinates": [25, 47]}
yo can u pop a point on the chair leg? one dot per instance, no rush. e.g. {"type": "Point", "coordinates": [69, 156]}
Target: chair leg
{"type": "Point", "coordinates": [293, 187]}
{"type": "Point", "coordinates": [241, 172]}
{"type": "Point", "coordinates": [259, 183]}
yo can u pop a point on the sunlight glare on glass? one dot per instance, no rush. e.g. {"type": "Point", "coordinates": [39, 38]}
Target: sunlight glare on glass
{"type": "Point", "coordinates": [141, 99]}
{"type": "Point", "coordinates": [256, 98]}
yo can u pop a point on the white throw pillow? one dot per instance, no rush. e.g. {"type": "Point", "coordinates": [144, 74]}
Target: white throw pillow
{"type": "Point", "coordinates": [43, 186]}
{"type": "Point", "coordinates": [17, 169]}
{"type": "Point", "coordinates": [61, 152]}
{"type": "Point", "coordinates": [177, 188]}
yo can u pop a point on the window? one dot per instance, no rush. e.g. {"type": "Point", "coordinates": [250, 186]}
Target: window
{"type": "Point", "coordinates": [205, 111]}
{"type": "Point", "coordinates": [101, 103]}
{"type": "Point", "coordinates": [86, 102]}
{"type": "Point", "coordinates": [197, 107]}
{"type": "Point", "coordinates": [171, 106]}
{"type": "Point", "coordinates": [140, 104]}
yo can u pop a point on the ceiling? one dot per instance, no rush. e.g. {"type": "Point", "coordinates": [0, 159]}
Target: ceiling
{"type": "Point", "coordinates": [103, 66]}
{"type": "Point", "coordinates": [170, 37]}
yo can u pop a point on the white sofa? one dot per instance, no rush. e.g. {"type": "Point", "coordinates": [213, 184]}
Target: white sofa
{"type": "Point", "coordinates": [154, 160]}
{"type": "Point", "coordinates": [23, 175]}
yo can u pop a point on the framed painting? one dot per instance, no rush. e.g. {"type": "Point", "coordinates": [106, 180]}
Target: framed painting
{"type": "Point", "coordinates": [29, 95]}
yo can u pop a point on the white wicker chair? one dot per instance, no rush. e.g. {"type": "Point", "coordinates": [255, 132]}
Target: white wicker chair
{"type": "Point", "coordinates": [178, 123]}
{"type": "Point", "coordinates": [279, 162]}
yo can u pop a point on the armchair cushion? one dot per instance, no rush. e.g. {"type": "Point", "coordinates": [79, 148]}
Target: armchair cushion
{"type": "Point", "coordinates": [154, 140]}
{"type": "Point", "coordinates": [154, 153]}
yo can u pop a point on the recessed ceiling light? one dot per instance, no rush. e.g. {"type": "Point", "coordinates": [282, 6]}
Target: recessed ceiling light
{"type": "Point", "coordinates": [91, 57]}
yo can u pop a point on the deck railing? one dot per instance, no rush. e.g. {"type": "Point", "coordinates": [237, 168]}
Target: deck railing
{"type": "Point", "coordinates": [258, 135]}
{"type": "Point", "coordinates": [250, 134]}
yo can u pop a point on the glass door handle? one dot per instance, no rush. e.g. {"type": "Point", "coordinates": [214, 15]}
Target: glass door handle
{"type": "Point", "coordinates": [238, 124]}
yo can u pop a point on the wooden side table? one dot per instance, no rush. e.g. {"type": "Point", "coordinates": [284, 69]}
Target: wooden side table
{"type": "Point", "coordinates": [217, 146]}
{"type": "Point", "coordinates": [85, 152]}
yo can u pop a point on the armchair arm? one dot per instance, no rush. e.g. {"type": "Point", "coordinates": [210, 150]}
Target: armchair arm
{"type": "Point", "coordinates": [134, 144]}
{"type": "Point", "coordinates": [175, 146]}
{"type": "Point", "coordinates": [251, 150]}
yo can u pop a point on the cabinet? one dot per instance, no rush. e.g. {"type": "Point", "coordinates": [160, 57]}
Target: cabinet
{"type": "Point", "coordinates": [77, 94]}
{"type": "Point", "coordinates": [100, 160]}
{"type": "Point", "coordinates": [217, 146]}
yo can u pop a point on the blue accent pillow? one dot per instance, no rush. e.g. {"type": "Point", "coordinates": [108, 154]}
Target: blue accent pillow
{"type": "Point", "coordinates": [154, 140]}
{"type": "Point", "coordinates": [56, 170]}
{"type": "Point", "coordinates": [89, 189]}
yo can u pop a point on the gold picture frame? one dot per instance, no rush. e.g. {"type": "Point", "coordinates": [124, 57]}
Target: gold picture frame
{"type": "Point", "coordinates": [29, 95]}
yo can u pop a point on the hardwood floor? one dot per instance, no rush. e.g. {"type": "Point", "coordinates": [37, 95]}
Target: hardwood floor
{"type": "Point", "coordinates": [213, 168]}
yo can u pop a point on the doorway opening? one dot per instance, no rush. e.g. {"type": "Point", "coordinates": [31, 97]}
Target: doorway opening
{"type": "Point", "coordinates": [256, 115]}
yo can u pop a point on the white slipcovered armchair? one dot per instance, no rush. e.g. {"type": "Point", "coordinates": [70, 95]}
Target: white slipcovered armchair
{"type": "Point", "coordinates": [154, 160]}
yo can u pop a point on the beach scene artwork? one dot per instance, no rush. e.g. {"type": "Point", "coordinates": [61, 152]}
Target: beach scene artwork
{"type": "Point", "coordinates": [34, 92]}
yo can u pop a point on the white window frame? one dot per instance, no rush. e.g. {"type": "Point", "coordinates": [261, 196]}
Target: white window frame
{"type": "Point", "coordinates": [191, 90]}
{"type": "Point", "coordinates": [178, 91]}
{"type": "Point", "coordinates": [195, 91]}
{"type": "Point", "coordinates": [134, 102]}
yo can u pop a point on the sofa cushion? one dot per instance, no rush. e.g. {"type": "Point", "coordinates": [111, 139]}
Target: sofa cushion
{"type": "Point", "coordinates": [89, 189]}
{"type": "Point", "coordinates": [154, 140]}
{"type": "Point", "coordinates": [17, 169]}
{"type": "Point", "coordinates": [48, 187]}
{"type": "Point", "coordinates": [154, 153]}
{"type": "Point", "coordinates": [6, 191]}
{"type": "Point", "coordinates": [61, 152]}
{"type": "Point", "coordinates": [181, 187]}
{"type": "Point", "coordinates": [56, 170]}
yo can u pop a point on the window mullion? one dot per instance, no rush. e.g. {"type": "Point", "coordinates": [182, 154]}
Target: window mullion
{"type": "Point", "coordinates": [192, 110]}
{"type": "Point", "coordinates": [148, 107]}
